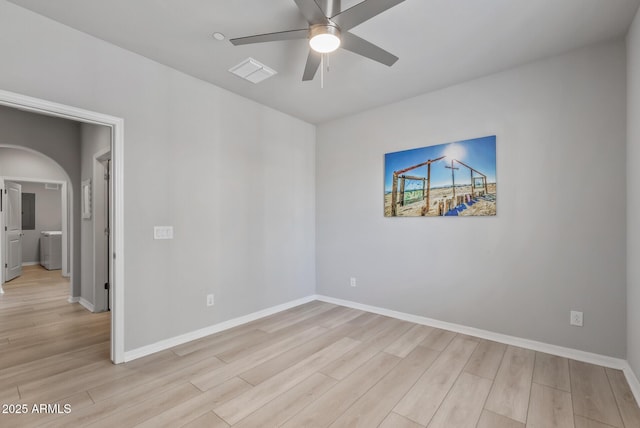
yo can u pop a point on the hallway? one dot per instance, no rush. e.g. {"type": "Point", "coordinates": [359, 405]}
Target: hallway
{"type": "Point", "coordinates": [40, 331]}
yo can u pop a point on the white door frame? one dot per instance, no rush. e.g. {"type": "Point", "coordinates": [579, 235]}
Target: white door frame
{"type": "Point", "coordinates": [97, 177]}
{"type": "Point", "coordinates": [67, 235]}
{"type": "Point", "coordinates": [116, 124]}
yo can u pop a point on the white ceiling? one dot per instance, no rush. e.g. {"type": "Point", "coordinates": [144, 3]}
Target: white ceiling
{"type": "Point", "coordinates": [439, 42]}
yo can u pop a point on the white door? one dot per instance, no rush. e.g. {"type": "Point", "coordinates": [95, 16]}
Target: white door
{"type": "Point", "coordinates": [13, 235]}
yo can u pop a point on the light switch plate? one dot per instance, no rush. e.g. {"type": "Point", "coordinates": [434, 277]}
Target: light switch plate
{"type": "Point", "coordinates": [163, 232]}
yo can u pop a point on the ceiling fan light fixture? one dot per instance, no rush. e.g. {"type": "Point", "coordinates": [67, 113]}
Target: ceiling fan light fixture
{"type": "Point", "coordinates": [324, 38]}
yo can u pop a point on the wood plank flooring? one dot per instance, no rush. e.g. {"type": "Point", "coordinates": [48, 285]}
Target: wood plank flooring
{"type": "Point", "coordinates": [316, 365]}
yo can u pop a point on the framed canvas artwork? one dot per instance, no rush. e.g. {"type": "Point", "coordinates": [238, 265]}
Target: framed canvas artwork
{"type": "Point", "coordinates": [454, 180]}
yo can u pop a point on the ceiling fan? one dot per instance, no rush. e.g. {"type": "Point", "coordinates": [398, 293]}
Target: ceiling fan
{"type": "Point", "coordinates": [329, 30]}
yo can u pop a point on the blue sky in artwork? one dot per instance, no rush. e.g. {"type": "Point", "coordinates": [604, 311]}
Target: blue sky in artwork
{"type": "Point", "coordinates": [479, 153]}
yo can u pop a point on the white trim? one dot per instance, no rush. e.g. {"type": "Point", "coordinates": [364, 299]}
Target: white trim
{"type": "Point", "coordinates": [116, 225]}
{"type": "Point", "coordinates": [633, 382]}
{"type": "Point", "coordinates": [561, 351]}
{"type": "Point", "coordinates": [216, 328]}
{"type": "Point", "coordinates": [116, 124]}
{"type": "Point", "coordinates": [30, 263]}
{"type": "Point", "coordinates": [50, 108]}
{"type": "Point", "coordinates": [31, 179]}
{"type": "Point", "coordinates": [67, 230]}
{"type": "Point", "coordinates": [72, 299]}
{"type": "Point", "coordinates": [97, 175]}
{"type": "Point", "coordinates": [87, 304]}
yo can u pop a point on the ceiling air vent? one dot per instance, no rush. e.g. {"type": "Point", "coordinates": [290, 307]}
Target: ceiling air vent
{"type": "Point", "coordinates": [252, 70]}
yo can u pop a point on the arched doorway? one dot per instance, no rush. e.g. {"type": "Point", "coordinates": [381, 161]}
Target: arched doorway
{"type": "Point", "coordinates": [23, 165]}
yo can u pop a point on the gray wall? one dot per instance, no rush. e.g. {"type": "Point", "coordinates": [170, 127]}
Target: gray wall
{"type": "Point", "coordinates": [17, 162]}
{"type": "Point", "coordinates": [633, 202]}
{"type": "Point", "coordinates": [235, 178]}
{"type": "Point", "coordinates": [558, 240]}
{"type": "Point", "coordinates": [219, 169]}
{"type": "Point", "coordinates": [57, 139]}
{"type": "Point", "coordinates": [94, 139]}
{"type": "Point", "coordinates": [48, 217]}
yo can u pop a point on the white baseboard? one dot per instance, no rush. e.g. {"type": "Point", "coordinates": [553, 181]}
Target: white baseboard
{"type": "Point", "coordinates": [87, 304]}
{"type": "Point", "coordinates": [72, 299]}
{"type": "Point", "coordinates": [632, 380]}
{"type": "Point", "coordinates": [30, 263]}
{"type": "Point", "coordinates": [561, 351]}
{"type": "Point", "coordinates": [216, 328]}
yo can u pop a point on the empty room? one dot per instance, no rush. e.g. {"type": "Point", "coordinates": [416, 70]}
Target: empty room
{"type": "Point", "coordinates": [260, 213]}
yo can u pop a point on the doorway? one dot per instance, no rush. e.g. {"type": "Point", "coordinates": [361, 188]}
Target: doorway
{"type": "Point", "coordinates": [115, 191]}
{"type": "Point", "coordinates": [21, 240]}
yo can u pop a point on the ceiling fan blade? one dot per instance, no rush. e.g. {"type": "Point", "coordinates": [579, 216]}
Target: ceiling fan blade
{"type": "Point", "coordinates": [313, 62]}
{"type": "Point", "coordinates": [355, 44]}
{"type": "Point", "coordinates": [329, 7]}
{"type": "Point", "coordinates": [362, 12]}
{"type": "Point", "coordinates": [311, 11]}
{"type": "Point", "coordinates": [271, 37]}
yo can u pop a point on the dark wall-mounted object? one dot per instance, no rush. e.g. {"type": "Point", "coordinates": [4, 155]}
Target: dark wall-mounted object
{"type": "Point", "coordinates": [28, 211]}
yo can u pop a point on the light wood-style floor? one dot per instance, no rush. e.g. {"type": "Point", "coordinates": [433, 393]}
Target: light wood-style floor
{"type": "Point", "coordinates": [315, 365]}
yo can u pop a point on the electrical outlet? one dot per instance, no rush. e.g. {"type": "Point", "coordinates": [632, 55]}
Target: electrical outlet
{"type": "Point", "coordinates": [353, 282]}
{"type": "Point", "coordinates": [210, 300]}
{"type": "Point", "coordinates": [576, 318]}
